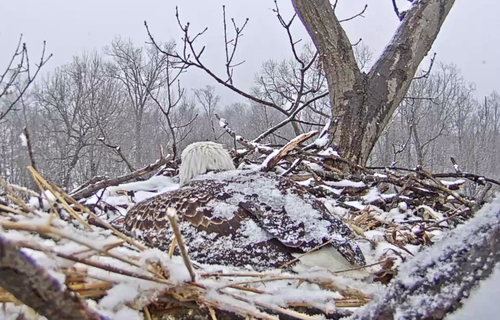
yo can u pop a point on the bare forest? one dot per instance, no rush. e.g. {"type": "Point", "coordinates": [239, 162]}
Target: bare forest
{"type": "Point", "coordinates": [399, 150]}
{"type": "Point", "coordinates": [108, 113]}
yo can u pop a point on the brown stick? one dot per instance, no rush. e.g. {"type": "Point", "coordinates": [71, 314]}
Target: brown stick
{"type": "Point", "coordinates": [93, 188]}
{"type": "Point", "coordinates": [273, 160]}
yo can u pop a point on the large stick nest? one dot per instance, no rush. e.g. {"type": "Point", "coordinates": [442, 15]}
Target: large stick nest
{"type": "Point", "coordinates": [80, 250]}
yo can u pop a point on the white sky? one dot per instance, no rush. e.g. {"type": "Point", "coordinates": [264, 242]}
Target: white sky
{"type": "Point", "coordinates": [469, 37]}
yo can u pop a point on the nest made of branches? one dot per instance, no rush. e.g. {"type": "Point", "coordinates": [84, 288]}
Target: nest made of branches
{"type": "Point", "coordinates": [114, 274]}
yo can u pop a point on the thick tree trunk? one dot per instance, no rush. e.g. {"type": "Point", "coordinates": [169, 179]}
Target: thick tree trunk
{"type": "Point", "coordinates": [362, 104]}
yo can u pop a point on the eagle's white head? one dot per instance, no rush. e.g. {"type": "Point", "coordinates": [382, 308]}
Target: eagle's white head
{"type": "Point", "coordinates": [201, 157]}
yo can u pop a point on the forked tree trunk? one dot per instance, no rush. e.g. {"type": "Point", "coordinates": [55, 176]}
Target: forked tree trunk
{"type": "Point", "coordinates": [362, 104]}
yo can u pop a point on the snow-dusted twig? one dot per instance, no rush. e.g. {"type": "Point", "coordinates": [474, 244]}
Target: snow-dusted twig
{"type": "Point", "coordinates": [172, 218]}
{"type": "Point", "coordinates": [93, 188]}
{"type": "Point", "coordinates": [273, 159]}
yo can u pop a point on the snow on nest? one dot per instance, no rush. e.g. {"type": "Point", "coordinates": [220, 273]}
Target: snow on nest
{"type": "Point", "coordinates": [129, 292]}
{"type": "Point", "coordinates": [114, 304]}
{"type": "Point", "coordinates": [438, 264]}
{"type": "Point", "coordinates": [266, 190]}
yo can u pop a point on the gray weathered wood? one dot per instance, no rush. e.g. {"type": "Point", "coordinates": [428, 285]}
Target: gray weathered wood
{"type": "Point", "coordinates": [362, 104]}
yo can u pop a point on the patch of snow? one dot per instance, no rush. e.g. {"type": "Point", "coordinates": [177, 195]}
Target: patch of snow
{"type": "Point", "coordinates": [24, 141]}
{"type": "Point", "coordinates": [253, 232]}
{"type": "Point", "coordinates": [483, 301]}
{"type": "Point", "coordinates": [329, 152]}
{"type": "Point", "coordinates": [345, 183]}
{"type": "Point", "coordinates": [372, 196]}
{"type": "Point", "coordinates": [356, 204]}
{"type": "Point", "coordinates": [118, 296]}
{"type": "Point", "coordinates": [271, 156]}
{"type": "Point", "coordinates": [322, 141]}
{"type": "Point", "coordinates": [222, 209]}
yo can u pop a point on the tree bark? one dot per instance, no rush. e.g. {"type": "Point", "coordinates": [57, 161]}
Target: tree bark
{"type": "Point", "coordinates": [435, 281]}
{"type": "Point", "coordinates": [33, 286]}
{"type": "Point", "coordinates": [362, 104]}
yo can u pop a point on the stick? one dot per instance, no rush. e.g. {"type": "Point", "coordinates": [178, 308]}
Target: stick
{"type": "Point", "coordinates": [91, 189]}
{"type": "Point", "coordinates": [172, 218]}
{"type": "Point", "coordinates": [66, 206]}
{"type": "Point", "coordinates": [272, 160]}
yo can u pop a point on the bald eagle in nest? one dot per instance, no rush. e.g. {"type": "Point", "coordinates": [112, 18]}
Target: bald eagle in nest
{"type": "Point", "coordinates": [243, 218]}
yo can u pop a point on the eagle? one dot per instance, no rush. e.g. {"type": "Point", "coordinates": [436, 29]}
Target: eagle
{"type": "Point", "coordinates": [243, 218]}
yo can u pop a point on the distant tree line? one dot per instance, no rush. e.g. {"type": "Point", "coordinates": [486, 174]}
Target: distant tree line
{"type": "Point", "coordinates": [109, 113]}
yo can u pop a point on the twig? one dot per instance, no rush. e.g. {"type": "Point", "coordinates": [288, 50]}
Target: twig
{"type": "Point", "coordinates": [356, 15]}
{"type": "Point", "coordinates": [66, 206]}
{"type": "Point", "coordinates": [172, 218]}
{"type": "Point", "coordinates": [92, 263]}
{"type": "Point", "coordinates": [91, 189]}
{"type": "Point", "coordinates": [273, 159]}
{"type": "Point", "coordinates": [118, 151]}
{"type": "Point", "coordinates": [428, 72]}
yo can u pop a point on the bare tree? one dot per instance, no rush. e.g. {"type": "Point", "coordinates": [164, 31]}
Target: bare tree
{"type": "Point", "coordinates": [297, 101]}
{"type": "Point", "coordinates": [79, 103]}
{"type": "Point", "coordinates": [141, 71]}
{"type": "Point", "coordinates": [209, 102]}
{"type": "Point", "coordinates": [429, 108]}
{"type": "Point", "coordinates": [12, 84]}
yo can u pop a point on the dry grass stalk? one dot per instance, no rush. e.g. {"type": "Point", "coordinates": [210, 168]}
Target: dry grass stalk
{"type": "Point", "coordinates": [172, 218]}
{"type": "Point", "coordinates": [65, 205]}
{"type": "Point", "coordinates": [101, 221]}
{"type": "Point", "coordinates": [147, 313]}
{"type": "Point", "coordinates": [288, 312]}
{"type": "Point", "coordinates": [50, 231]}
{"type": "Point", "coordinates": [171, 249]}
{"type": "Point", "coordinates": [212, 313]}
{"type": "Point", "coordinates": [12, 210]}
{"type": "Point", "coordinates": [12, 197]}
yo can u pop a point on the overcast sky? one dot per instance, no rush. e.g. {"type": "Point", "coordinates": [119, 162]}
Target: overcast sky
{"type": "Point", "coordinates": [469, 37]}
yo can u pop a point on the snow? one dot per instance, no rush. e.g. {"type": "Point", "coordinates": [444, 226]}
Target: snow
{"type": "Point", "coordinates": [253, 232]}
{"type": "Point", "coordinates": [142, 190]}
{"type": "Point", "coordinates": [118, 296]}
{"type": "Point", "coordinates": [9, 311]}
{"type": "Point", "coordinates": [346, 183]}
{"type": "Point", "coordinates": [372, 196]}
{"type": "Point", "coordinates": [436, 264]}
{"type": "Point", "coordinates": [24, 141]}
{"type": "Point", "coordinates": [483, 303]}
{"type": "Point", "coordinates": [269, 158]}
{"type": "Point", "coordinates": [455, 182]}
{"type": "Point", "coordinates": [329, 152]}
{"type": "Point", "coordinates": [322, 142]}
{"type": "Point", "coordinates": [222, 209]}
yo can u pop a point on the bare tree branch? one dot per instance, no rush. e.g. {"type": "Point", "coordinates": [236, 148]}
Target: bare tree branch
{"type": "Point", "coordinates": [12, 76]}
